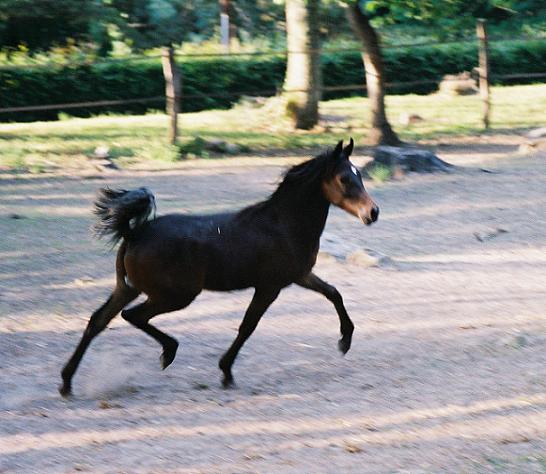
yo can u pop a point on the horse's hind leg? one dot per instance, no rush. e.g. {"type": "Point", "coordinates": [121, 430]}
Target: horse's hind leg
{"type": "Point", "coordinates": [121, 296]}
{"type": "Point", "coordinates": [313, 282]}
{"type": "Point", "coordinates": [139, 316]}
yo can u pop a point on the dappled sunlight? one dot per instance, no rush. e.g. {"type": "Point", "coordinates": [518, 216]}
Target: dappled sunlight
{"type": "Point", "coordinates": [486, 421]}
{"type": "Point", "coordinates": [48, 196]}
{"type": "Point", "coordinates": [521, 255]}
{"type": "Point", "coordinates": [79, 283]}
{"type": "Point", "coordinates": [448, 349]}
{"type": "Point", "coordinates": [458, 204]}
{"type": "Point", "coordinates": [134, 140]}
{"type": "Point", "coordinates": [47, 210]}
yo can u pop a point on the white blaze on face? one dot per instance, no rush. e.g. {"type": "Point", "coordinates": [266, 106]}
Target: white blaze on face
{"type": "Point", "coordinates": [353, 169]}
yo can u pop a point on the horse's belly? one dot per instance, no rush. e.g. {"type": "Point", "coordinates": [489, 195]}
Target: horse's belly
{"type": "Point", "coordinates": [224, 275]}
{"type": "Point", "coordinates": [246, 270]}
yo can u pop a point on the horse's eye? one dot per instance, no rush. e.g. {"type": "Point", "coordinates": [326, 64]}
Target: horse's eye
{"type": "Point", "coordinates": [346, 180]}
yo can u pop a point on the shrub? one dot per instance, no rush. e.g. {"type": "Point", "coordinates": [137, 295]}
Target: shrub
{"type": "Point", "coordinates": [220, 82]}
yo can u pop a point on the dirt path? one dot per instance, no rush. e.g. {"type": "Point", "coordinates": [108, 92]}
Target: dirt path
{"type": "Point", "coordinates": [447, 372]}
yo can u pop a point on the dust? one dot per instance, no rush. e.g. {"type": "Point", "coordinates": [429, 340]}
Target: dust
{"type": "Point", "coordinates": [109, 376]}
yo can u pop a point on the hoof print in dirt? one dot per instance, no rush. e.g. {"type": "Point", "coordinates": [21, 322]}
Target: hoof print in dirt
{"type": "Point", "coordinates": [488, 235]}
{"type": "Point", "coordinates": [403, 160]}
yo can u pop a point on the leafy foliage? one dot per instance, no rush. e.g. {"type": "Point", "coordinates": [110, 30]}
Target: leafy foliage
{"type": "Point", "coordinates": [231, 78]}
{"type": "Point", "coordinates": [451, 17]}
{"type": "Point", "coordinates": [39, 24]}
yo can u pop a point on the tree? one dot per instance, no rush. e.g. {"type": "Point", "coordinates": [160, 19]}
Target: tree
{"type": "Point", "coordinates": [41, 24]}
{"type": "Point", "coordinates": [150, 23]}
{"type": "Point", "coordinates": [381, 132]}
{"type": "Point", "coordinates": [447, 19]}
{"type": "Point", "coordinates": [302, 84]}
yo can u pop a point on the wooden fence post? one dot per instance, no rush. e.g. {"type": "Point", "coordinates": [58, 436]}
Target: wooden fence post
{"type": "Point", "coordinates": [172, 91]}
{"type": "Point", "coordinates": [481, 31]}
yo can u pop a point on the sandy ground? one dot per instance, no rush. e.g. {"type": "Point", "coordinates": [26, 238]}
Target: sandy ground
{"type": "Point", "coordinates": [447, 372]}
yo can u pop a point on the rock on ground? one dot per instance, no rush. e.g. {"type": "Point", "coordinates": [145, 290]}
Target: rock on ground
{"type": "Point", "coordinates": [408, 159]}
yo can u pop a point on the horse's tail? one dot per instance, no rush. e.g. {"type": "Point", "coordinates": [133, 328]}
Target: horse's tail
{"type": "Point", "coordinates": [120, 212]}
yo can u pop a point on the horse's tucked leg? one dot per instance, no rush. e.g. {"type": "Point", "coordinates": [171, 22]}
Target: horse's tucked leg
{"type": "Point", "coordinates": [263, 297]}
{"type": "Point", "coordinates": [313, 282]}
{"type": "Point", "coordinates": [98, 322]}
{"type": "Point", "coordinates": [142, 313]}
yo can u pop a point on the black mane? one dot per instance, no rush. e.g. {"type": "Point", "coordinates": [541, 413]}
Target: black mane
{"type": "Point", "coordinates": [310, 173]}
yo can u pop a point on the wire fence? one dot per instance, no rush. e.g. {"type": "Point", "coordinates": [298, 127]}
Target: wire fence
{"type": "Point", "coordinates": [236, 94]}
{"type": "Point", "coordinates": [265, 92]}
{"type": "Point", "coordinates": [271, 53]}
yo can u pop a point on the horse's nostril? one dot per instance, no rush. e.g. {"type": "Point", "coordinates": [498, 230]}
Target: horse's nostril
{"type": "Point", "coordinates": [374, 213]}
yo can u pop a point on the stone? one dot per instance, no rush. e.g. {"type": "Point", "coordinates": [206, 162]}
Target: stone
{"type": "Point", "coordinates": [458, 84]}
{"type": "Point", "coordinates": [407, 159]}
{"type": "Point", "coordinates": [406, 119]}
{"type": "Point", "coordinates": [102, 152]}
{"type": "Point", "coordinates": [252, 101]}
{"type": "Point", "coordinates": [215, 144]}
{"type": "Point", "coordinates": [532, 146]}
{"type": "Point", "coordinates": [221, 146]}
{"type": "Point", "coordinates": [367, 258]}
{"type": "Point", "coordinates": [104, 165]}
{"type": "Point", "coordinates": [232, 149]}
{"type": "Point", "coordinates": [537, 133]}
{"type": "Point", "coordinates": [101, 159]}
{"type": "Point", "coordinates": [325, 257]}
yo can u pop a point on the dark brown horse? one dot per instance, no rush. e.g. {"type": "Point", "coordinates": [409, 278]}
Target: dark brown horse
{"type": "Point", "coordinates": [267, 246]}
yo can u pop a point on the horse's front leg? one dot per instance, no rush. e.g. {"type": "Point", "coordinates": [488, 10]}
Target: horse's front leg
{"type": "Point", "coordinates": [263, 297]}
{"type": "Point", "coordinates": [313, 282]}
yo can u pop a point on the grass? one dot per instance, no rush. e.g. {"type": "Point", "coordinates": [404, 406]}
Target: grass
{"type": "Point", "coordinates": [380, 173]}
{"type": "Point", "coordinates": [136, 139]}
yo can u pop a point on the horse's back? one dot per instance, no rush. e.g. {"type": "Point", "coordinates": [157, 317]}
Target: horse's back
{"type": "Point", "coordinates": [219, 252]}
{"type": "Point", "coordinates": [183, 226]}
{"type": "Point", "coordinates": [171, 252]}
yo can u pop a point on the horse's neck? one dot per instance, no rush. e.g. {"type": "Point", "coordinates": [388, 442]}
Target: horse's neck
{"type": "Point", "coordinates": [306, 215]}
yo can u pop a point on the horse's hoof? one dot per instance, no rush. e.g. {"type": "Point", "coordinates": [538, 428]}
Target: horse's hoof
{"type": "Point", "coordinates": [65, 391]}
{"type": "Point", "coordinates": [344, 344]}
{"type": "Point", "coordinates": [228, 383]}
{"type": "Point", "coordinates": [169, 353]}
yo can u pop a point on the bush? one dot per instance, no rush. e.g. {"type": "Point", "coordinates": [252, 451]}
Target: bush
{"type": "Point", "coordinates": [220, 82]}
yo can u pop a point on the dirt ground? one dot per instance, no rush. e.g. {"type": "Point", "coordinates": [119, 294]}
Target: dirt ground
{"type": "Point", "coordinates": [447, 372]}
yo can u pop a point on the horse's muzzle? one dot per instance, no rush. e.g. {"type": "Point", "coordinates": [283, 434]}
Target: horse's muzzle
{"type": "Point", "coordinates": [368, 217]}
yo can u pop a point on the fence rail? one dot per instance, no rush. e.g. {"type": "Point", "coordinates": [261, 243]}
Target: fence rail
{"type": "Point", "coordinates": [254, 93]}
{"type": "Point", "coordinates": [175, 98]}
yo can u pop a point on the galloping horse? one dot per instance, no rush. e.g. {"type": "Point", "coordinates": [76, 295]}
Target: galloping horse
{"type": "Point", "coordinates": [266, 246]}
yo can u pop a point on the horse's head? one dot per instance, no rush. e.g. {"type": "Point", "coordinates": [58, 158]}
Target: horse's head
{"type": "Point", "coordinates": [343, 186]}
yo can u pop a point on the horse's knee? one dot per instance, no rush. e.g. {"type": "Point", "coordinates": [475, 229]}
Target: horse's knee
{"type": "Point", "coordinates": [139, 314]}
{"type": "Point", "coordinates": [98, 322]}
{"type": "Point", "coordinates": [128, 314]}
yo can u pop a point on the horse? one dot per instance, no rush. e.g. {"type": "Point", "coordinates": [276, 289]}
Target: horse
{"type": "Point", "coordinates": [266, 246]}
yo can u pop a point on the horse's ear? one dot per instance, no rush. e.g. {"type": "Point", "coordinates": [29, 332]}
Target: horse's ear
{"type": "Point", "coordinates": [338, 149]}
{"type": "Point", "coordinates": [349, 148]}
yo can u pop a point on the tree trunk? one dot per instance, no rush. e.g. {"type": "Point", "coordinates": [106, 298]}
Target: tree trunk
{"type": "Point", "coordinates": [173, 89]}
{"type": "Point", "coordinates": [226, 8]}
{"type": "Point", "coordinates": [302, 84]}
{"type": "Point", "coordinates": [381, 133]}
